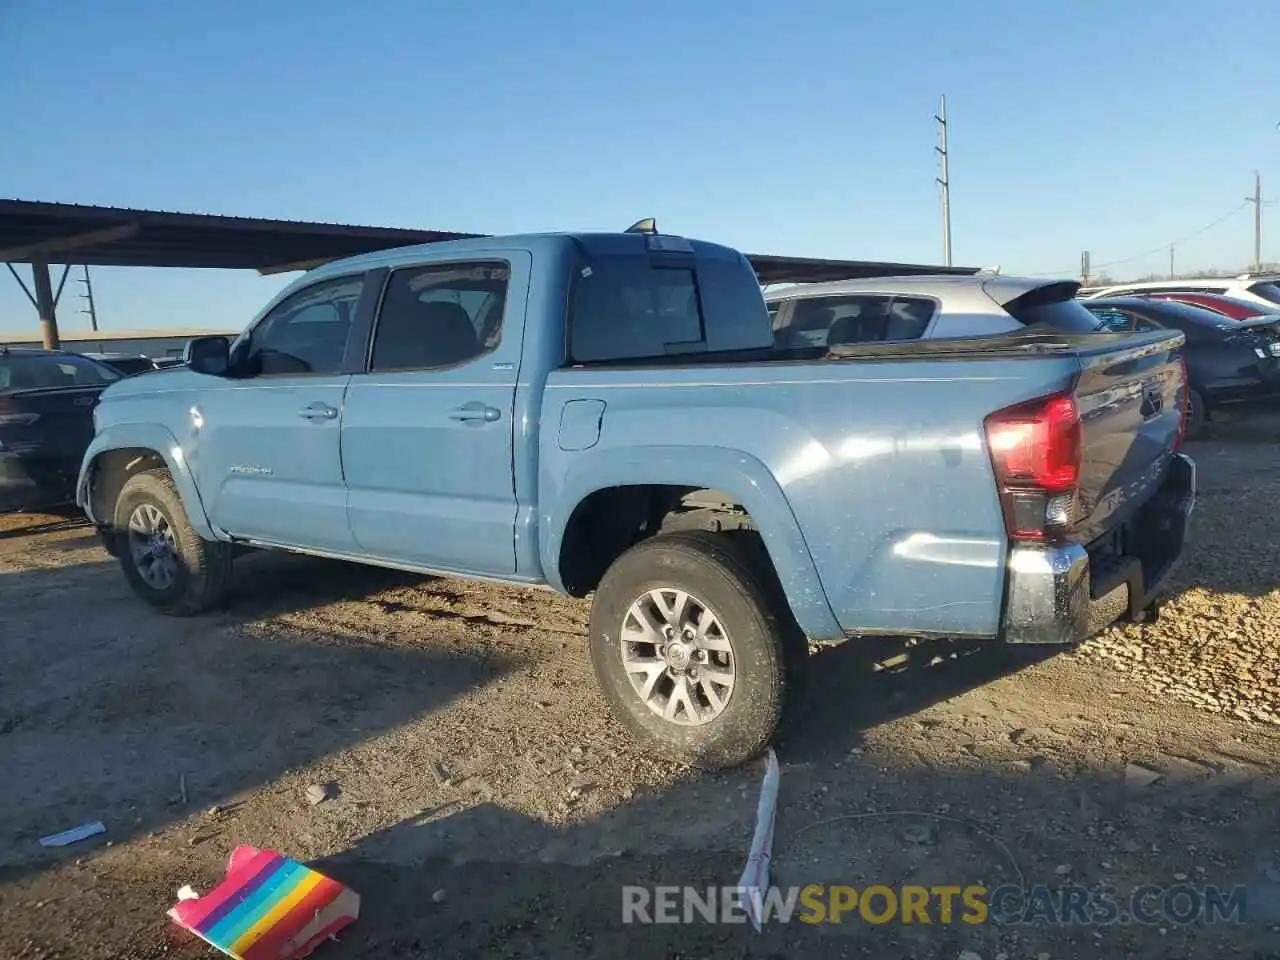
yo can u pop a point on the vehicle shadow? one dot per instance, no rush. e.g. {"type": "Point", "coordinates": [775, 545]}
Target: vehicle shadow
{"type": "Point", "coordinates": [863, 683]}
{"type": "Point", "coordinates": [492, 882]}
{"type": "Point", "coordinates": [112, 711]}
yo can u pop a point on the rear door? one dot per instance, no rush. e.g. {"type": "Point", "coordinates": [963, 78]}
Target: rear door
{"type": "Point", "coordinates": [428, 432]}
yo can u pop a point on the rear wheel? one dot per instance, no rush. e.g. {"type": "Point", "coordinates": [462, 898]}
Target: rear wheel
{"type": "Point", "coordinates": [165, 561]}
{"type": "Point", "coordinates": [689, 646]}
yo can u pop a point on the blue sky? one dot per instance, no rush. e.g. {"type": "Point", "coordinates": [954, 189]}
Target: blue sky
{"type": "Point", "coordinates": [802, 128]}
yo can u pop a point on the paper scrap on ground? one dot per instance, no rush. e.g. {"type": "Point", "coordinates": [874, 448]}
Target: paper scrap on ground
{"type": "Point", "coordinates": [74, 835]}
{"type": "Point", "coordinates": [755, 876]}
{"type": "Point", "coordinates": [267, 908]}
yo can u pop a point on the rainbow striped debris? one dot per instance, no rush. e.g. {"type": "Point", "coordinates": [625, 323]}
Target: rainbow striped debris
{"type": "Point", "coordinates": [268, 908]}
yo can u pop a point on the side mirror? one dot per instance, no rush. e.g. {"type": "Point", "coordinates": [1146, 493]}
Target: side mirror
{"type": "Point", "coordinates": [208, 355]}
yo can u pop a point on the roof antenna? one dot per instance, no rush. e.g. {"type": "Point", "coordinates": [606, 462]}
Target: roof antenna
{"type": "Point", "coordinates": [649, 225]}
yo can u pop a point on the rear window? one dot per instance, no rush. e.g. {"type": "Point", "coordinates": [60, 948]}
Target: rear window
{"type": "Point", "coordinates": [37, 372]}
{"type": "Point", "coordinates": [1053, 307]}
{"type": "Point", "coordinates": [637, 308]}
{"type": "Point", "coordinates": [1267, 290]}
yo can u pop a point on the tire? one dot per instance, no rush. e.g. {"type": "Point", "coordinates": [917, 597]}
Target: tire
{"type": "Point", "coordinates": [721, 575]}
{"type": "Point", "coordinates": [201, 569]}
{"type": "Point", "coordinates": [1197, 415]}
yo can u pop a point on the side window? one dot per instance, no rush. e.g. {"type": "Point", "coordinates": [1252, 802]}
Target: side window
{"type": "Point", "coordinates": [909, 318]}
{"type": "Point", "coordinates": [306, 333]}
{"type": "Point", "coordinates": [862, 318]}
{"type": "Point", "coordinates": [622, 308]}
{"type": "Point", "coordinates": [440, 315]}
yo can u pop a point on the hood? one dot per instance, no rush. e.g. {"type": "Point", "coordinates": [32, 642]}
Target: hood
{"type": "Point", "coordinates": [172, 378]}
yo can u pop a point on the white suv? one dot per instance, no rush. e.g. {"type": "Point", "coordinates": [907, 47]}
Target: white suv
{"type": "Point", "coordinates": [880, 309]}
{"type": "Point", "coordinates": [1260, 288]}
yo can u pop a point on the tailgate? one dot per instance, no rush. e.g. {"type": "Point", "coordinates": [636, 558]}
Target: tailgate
{"type": "Point", "coordinates": [1130, 399]}
{"type": "Point", "coordinates": [52, 423]}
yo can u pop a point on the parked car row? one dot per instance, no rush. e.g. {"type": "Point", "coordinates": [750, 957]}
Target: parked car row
{"type": "Point", "coordinates": [1232, 349]}
{"type": "Point", "coordinates": [1228, 361]}
{"type": "Point", "coordinates": [1232, 327]}
{"type": "Point", "coordinates": [1260, 289]}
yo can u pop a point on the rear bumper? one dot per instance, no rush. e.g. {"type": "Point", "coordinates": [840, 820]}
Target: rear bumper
{"type": "Point", "coordinates": [1062, 594]}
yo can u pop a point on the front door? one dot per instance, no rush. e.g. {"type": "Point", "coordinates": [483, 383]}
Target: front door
{"type": "Point", "coordinates": [268, 458]}
{"type": "Point", "coordinates": [427, 433]}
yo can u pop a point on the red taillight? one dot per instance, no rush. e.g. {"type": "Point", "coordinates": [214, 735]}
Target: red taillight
{"type": "Point", "coordinates": [1184, 410]}
{"type": "Point", "coordinates": [1036, 450]}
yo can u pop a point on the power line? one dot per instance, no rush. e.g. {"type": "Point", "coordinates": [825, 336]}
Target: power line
{"type": "Point", "coordinates": [1160, 249]}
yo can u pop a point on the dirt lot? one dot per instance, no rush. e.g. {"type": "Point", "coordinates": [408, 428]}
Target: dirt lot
{"type": "Point", "coordinates": [488, 807]}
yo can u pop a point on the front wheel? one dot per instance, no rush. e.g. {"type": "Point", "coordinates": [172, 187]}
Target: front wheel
{"type": "Point", "coordinates": [165, 561]}
{"type": "Point", "coordinates": [688, 645]}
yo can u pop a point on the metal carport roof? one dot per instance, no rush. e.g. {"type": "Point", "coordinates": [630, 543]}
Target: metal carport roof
{"type": "Point", "coordinates": [42, 233]}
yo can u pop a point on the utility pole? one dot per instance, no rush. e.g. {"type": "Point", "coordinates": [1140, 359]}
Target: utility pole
{"type": "Point", "coordinates": [1256, 200]}
{"type": "Point", "coordinates": [46, 305]}
{"type": "Point", "coordinates": [1170, 263]}
{"type": "Point", "coordinates": [88, 295]}
{"type": "Point", "coordinates": [1084, 268]}
{"type": "Point", "coordinates": [945, 179]}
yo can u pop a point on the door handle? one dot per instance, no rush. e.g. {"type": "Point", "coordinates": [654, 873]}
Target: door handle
{"type": "Point", "coordinates": [318, 411]}
{"type": "Point", "coordinates": [476, 412]}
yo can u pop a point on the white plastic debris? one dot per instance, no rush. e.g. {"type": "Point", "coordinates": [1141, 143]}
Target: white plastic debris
{"type": "Point", "coordinates": [74, 835]}
{"type": "Point", "coordinates": [755, 875]}
{"type": "Point", "coordinates": [187, 893]}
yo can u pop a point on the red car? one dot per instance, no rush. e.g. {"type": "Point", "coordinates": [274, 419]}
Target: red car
{"type": "Point", "coordinates": [1226, 306]}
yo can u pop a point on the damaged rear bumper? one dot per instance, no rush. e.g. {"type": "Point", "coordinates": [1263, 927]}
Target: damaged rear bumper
{"type": "Point", "coordinates": [1063, 594]}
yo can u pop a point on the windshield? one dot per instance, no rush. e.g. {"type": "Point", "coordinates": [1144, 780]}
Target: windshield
{"type": "Point", "coordinates": [42, 371]}
{"type": "Point", "coordinates": [1267, 290]}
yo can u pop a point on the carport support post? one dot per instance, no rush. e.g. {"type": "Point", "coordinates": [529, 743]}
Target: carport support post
{"type": "Point", "coordinates": [45, 305]}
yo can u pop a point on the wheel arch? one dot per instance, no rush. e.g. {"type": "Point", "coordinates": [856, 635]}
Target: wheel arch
{"type": "Point", "coordinates": [680, 469]}
{"type": "Point", "coordinates": [119, 452]}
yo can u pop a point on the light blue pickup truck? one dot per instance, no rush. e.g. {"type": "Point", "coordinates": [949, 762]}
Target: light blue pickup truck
{"type": "Point", "coordinates": [609, 415]}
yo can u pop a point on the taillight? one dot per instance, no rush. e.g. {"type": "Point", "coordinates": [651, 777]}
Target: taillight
{"type": "Point", "coordinates": [1184, 405]}
{"type": "Point", "coordinates": [1036, 450]}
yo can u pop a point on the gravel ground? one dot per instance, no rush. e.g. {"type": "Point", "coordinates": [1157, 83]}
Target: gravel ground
{"type": "Point", "coordinates": [1217, 644]}
{"type": "Point", "coordinates": [486, 805]}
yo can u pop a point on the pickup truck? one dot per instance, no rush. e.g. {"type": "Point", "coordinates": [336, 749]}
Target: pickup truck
{"type": "Point", "coordinates": [607, 414]}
